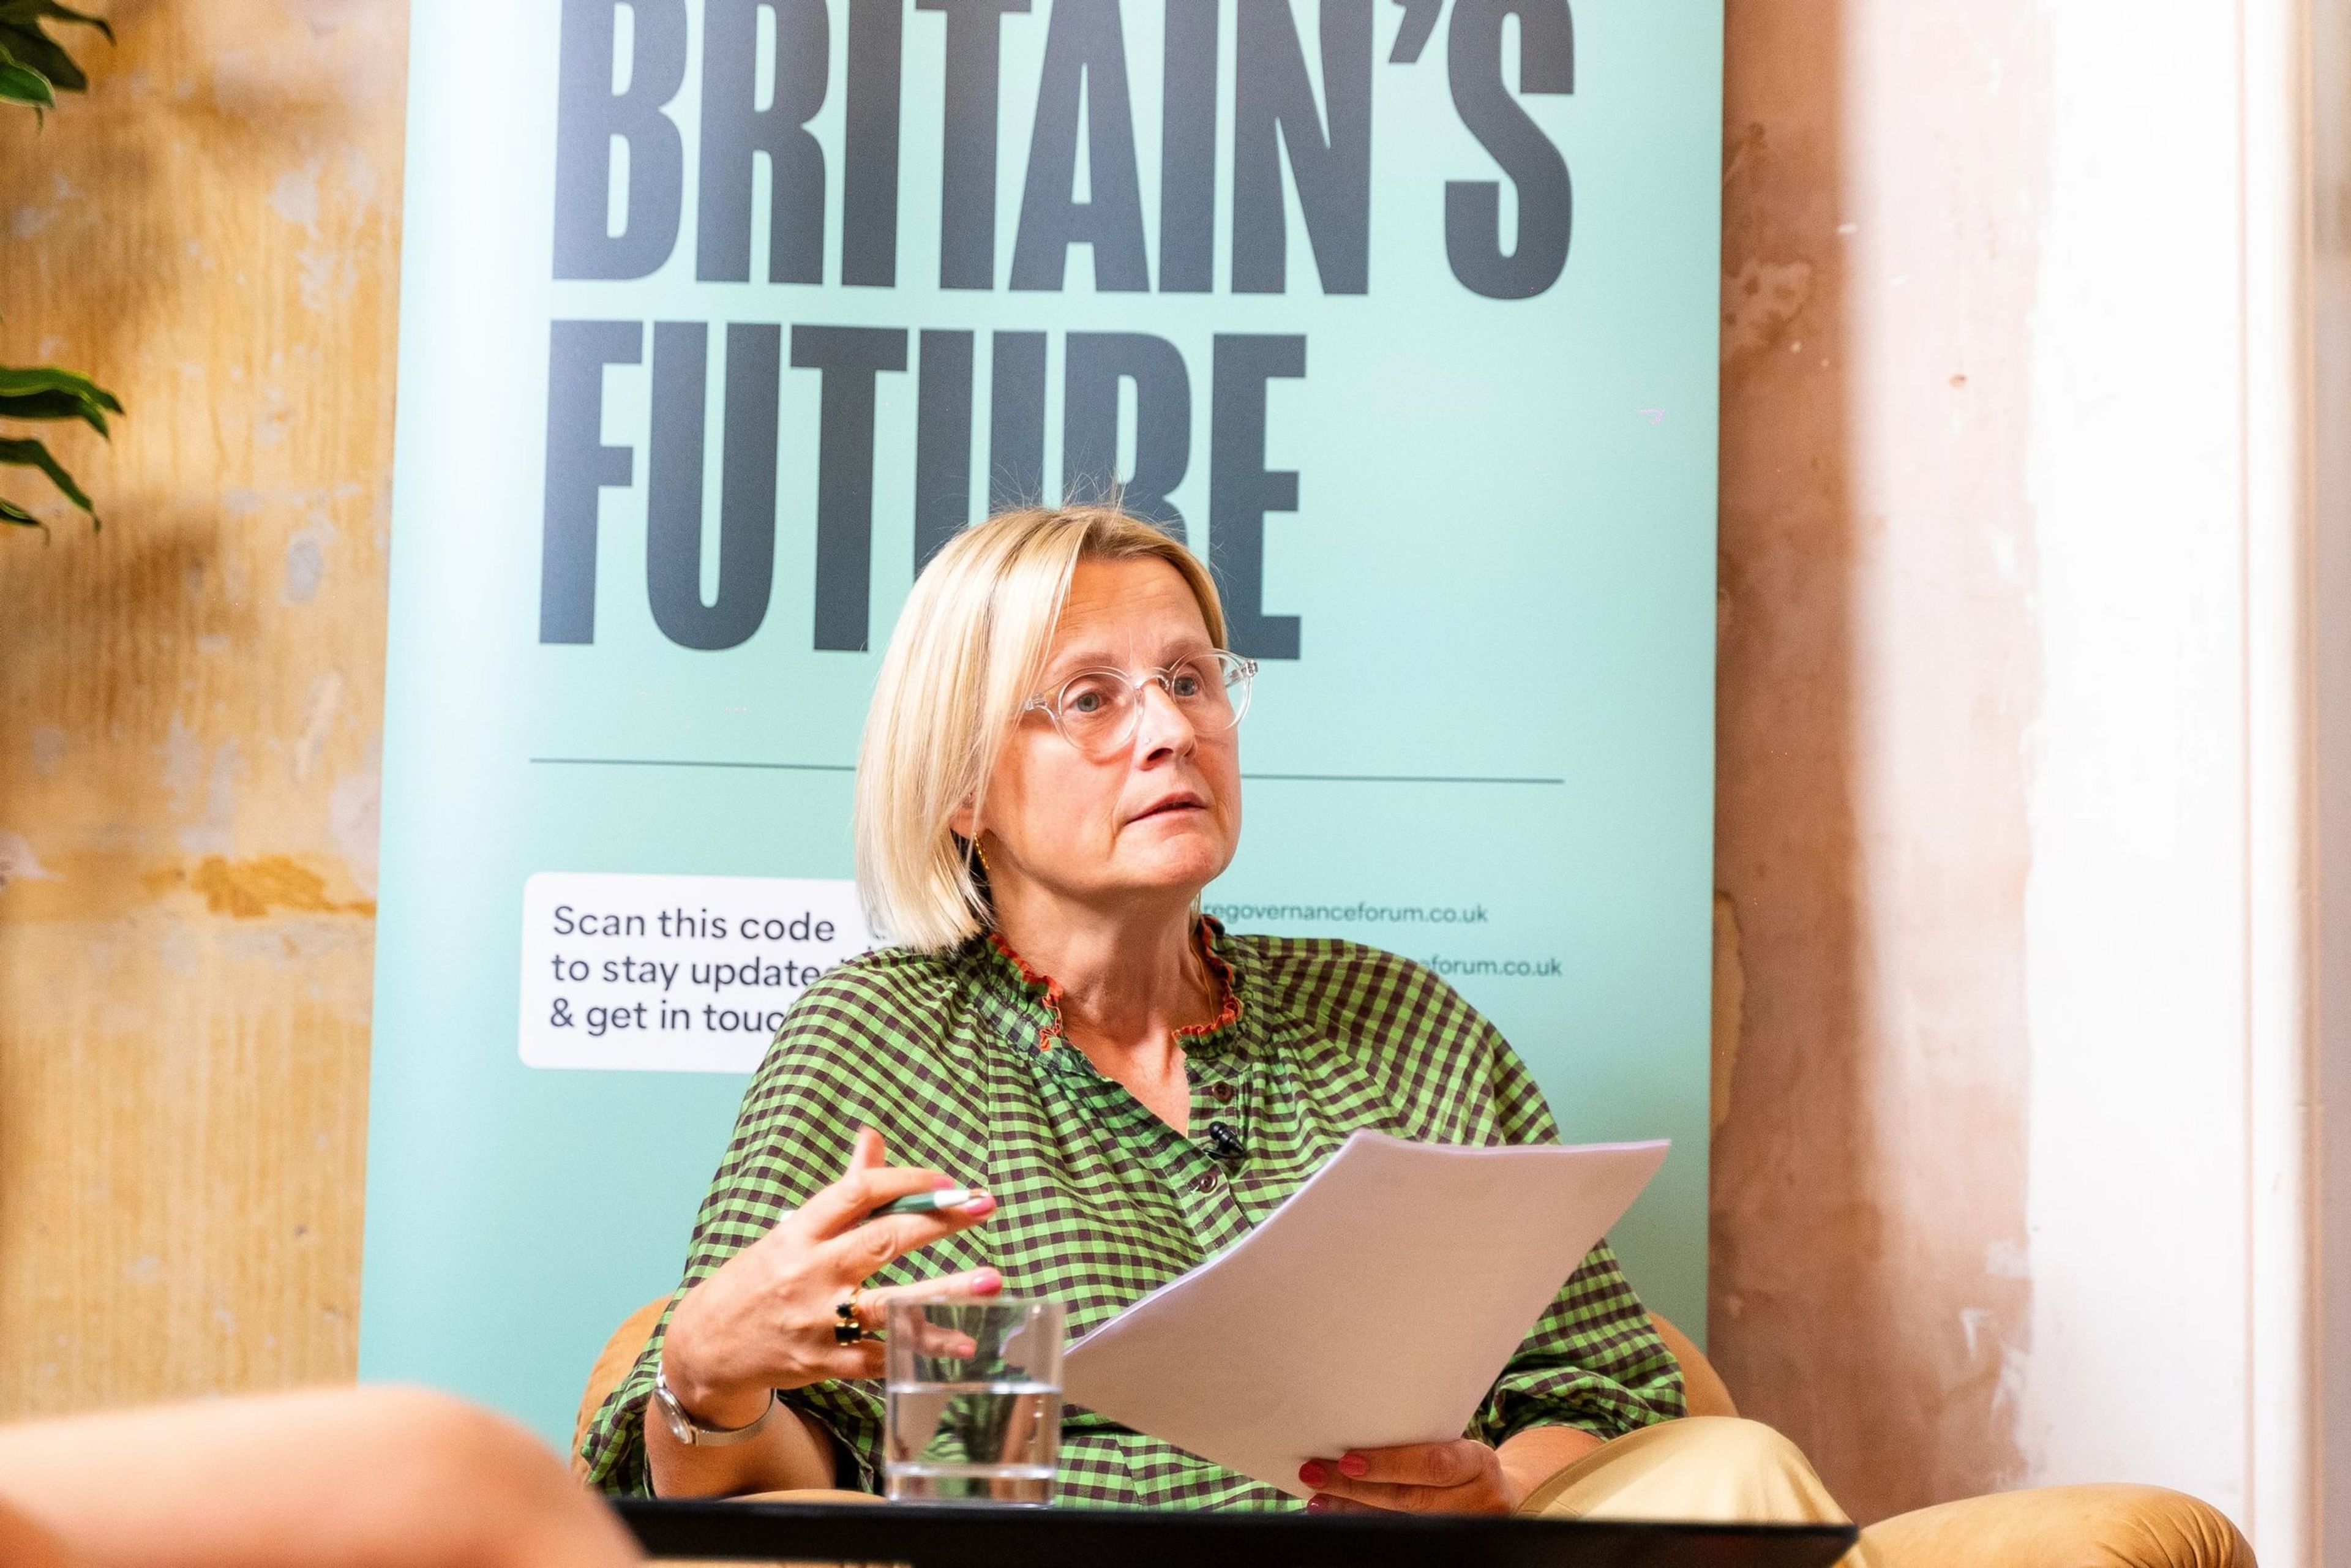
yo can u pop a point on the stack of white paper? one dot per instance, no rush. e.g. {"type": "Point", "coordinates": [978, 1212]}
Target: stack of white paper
{"type": "Point", "coordinates": [1376, 1307]}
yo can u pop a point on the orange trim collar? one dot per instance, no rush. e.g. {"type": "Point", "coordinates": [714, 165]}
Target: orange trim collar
{"type": "Point", "coordinates": [1049, 1034]}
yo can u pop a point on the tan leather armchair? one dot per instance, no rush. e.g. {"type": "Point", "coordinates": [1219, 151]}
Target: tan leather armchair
{"type": "Point", "coordinates": [2051, 1526]}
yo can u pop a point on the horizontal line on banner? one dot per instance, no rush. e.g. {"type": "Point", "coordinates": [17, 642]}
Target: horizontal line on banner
{"type": "Point", "coordinates": [693, 762]}
{"type": "Point", "coordinates": [1391, 778]}
{"type": "Point", "coordinates": [846, 767]}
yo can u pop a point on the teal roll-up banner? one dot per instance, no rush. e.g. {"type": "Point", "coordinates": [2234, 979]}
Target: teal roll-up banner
{"type": "Point", "coordinates": [715, 318]}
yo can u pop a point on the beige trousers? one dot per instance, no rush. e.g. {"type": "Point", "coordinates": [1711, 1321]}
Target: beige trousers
{"type": "Point", "coordinates": [1716, 1467]}
{"type": "Point", "coordinates": [1707, 1468]}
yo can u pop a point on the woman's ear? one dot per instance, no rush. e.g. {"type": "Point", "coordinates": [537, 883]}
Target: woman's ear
{"type": "Point", "coordinates": [964, 822]}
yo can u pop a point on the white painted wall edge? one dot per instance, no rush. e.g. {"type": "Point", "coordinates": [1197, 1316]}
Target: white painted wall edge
{"type": "Point", "coordinates": [2280, 585]}
{"type": "Point", "coordinates": [2330, 294]}
{"type": "Point", "coordinates": [2171, 905]}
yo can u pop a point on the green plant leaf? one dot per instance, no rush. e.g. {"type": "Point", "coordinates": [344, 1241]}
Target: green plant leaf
{"type": "Point", "coordinates": [52, 406]}
{"type": "Point", "coordinates": [26, 454]}
{"type": "Point", "coordinates": [23, 84]}
{"type": "Point", "coordinates": [48, 378]}
{"type": "Point", "coordinates": [48, 392]}
{"type": "Point", "coordinates": [43, 53]}
{"type": "Point", "coordinates": [32, 65]}
{"type": "Point", "coordinates": [29, 13]}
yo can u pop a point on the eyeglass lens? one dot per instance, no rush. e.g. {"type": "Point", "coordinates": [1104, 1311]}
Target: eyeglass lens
{"type": "Point", "coordinates": [1097, 710]}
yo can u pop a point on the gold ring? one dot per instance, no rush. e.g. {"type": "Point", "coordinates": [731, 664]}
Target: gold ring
{"type": "Point", "coordinates": [848, 1328]}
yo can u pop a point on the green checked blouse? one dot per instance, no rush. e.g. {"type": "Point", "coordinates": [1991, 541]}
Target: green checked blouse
{"type": "Point", "coordinates": [958, 1060]}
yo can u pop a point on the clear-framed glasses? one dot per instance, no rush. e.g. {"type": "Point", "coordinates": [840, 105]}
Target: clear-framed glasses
{"type": "Point", "coordinates": [1096, 711]}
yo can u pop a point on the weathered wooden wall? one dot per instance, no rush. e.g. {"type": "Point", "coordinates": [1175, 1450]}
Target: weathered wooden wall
{"type": "Point", "coordinates": [190, 703]}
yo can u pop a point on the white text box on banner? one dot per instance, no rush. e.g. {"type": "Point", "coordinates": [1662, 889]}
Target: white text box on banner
{"type": "Point", "coordinates": [673, 974]}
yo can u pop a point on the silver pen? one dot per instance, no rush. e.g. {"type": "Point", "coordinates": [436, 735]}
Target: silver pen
{"type": "Point", "coordinates": [927, 1202]}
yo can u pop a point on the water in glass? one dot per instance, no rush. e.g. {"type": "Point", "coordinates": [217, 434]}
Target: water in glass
{"type": "Point", "coordinates": [974, 1392]}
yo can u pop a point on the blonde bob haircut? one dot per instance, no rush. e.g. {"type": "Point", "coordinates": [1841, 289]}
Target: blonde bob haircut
{"type": "Point", "coordinates": [964, 660]}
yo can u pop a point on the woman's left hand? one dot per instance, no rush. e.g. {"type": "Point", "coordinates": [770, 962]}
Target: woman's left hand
{"type": "Point", "coordinates": [1458, 1477]}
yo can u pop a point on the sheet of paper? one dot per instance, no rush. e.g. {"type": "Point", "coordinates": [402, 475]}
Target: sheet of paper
{"type": "Point", "coordinates": [1375, 1307]}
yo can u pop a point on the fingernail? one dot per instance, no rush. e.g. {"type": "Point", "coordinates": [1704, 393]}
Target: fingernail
{"type": "Point", "coordinates": [1318, 1503]}
{"type": "Point", "coordinates": [1354, 1465]}
{"type": "Point", "coordinates": [987, 1281]}
{"type": "Point", "coordinates": [1312, 1473]}
{"type": "Point", "coordinates": [941, 1182]}
{"type": "Point", "coordinates": [981, 1203]}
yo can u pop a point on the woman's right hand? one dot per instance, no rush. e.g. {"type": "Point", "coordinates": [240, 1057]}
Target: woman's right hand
{"type": "Point", "coordinates": [765, 1320]}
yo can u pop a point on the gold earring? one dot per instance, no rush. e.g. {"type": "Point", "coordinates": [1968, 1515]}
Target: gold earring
{"type": "Point", "coordinates": [981, 852]}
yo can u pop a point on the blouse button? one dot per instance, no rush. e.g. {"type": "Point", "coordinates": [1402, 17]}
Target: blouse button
{"type": "Point", "coordinates": [1223, 1093]}
{"type": "Point", "coordinates": [1206, 1183]}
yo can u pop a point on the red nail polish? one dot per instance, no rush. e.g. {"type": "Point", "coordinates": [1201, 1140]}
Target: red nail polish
{"type": "Point", "coordinates": [1354, 1465]}
{"type": "Point", "coordinates": [1318, 1503]}
{"type": "Point", "coordinates": [1312, 1473]}
{"type": "Point", "coordinates": [987, 1279]}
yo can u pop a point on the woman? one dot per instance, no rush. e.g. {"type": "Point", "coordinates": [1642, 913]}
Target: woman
{"type": "Point", "coordinates": [1050, 776]}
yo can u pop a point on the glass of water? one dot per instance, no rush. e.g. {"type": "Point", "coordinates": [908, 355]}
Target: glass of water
{"type": "Point", "coordinates": [974, 1390]}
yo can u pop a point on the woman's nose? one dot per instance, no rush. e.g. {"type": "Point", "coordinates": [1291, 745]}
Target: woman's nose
{"type": "Point", "coordinates": [1160, 724]}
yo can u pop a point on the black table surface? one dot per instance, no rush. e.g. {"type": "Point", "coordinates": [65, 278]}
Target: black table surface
{"type": "Point", "coordinates": [949, 1535]}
